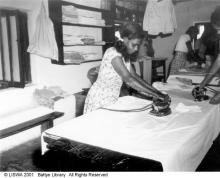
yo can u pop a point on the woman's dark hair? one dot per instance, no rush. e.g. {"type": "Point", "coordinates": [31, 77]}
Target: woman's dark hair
{"type": "Point", "coordinates": [131, 30]}
{"type": "Point", "coordinates": [215, 17]}
{"type": "Point", "coordinates": [191, 30]}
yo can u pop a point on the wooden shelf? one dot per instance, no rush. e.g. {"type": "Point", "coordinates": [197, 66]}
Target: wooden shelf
{"type": "Point", "coordinates": [55, 14]}
{"type": "Point", "coordinates": [96, 60]}
{"type": "Point", "coordinates": [129, 10]}
{"type": "Point", "coordinates": [84, 7]}
{"type": "Point", "coordinates": [63, 63]}
{"type": "Point", "coordinates": [122, 12]}
{"type": "Point", "coordinates": [106, 42]}
{"type": "Point", "coordinates": [84, 45]}
{"type": "Point", "coordinates": [86, 25]}
{"type": "Point", "coordinates": [119, 22]}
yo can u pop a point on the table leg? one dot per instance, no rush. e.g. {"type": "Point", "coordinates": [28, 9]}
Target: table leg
{"type": "Point", "coordinates": [147, 71]}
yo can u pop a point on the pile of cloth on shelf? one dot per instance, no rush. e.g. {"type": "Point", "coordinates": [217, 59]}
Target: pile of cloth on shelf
{"type": "Point", "coordinates": [47, 96]}
{"type": "Point", "coordinates": [75, 57]}
{"type": "Point", "coordinates": [73, 15]}
{"type": "Point", "coordinates": [87, 3]}
{"type": "Point", "coordinates": [70, 39]}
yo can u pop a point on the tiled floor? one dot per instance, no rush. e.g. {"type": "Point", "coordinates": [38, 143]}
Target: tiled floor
{"type": "Point", "coordinates": [27, 157]}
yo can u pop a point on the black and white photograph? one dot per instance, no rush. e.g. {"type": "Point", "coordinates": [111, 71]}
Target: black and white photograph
{"type": "Point", "coordinates": [92, 88]}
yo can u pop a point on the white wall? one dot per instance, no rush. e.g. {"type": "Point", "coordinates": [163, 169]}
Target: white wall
{"type": "Point", "coordinates": [71, 78]}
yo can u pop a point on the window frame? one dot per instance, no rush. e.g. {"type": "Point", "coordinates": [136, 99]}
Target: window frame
{"type": "Point", "coordinates": [22, 45]}
{"type": "Point", "coordinates": [204, 23]}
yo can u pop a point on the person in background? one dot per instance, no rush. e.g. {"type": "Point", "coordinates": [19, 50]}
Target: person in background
{"type": "Point", "coordinates": [146, 48]}
{"type": "Point", "coordinates": [145, 52]}
{"type": "Point", "coordinates": [183, 50]}
{"type": "Point", "coordinates": [209, 42]}
{"type": "Point", "coordinates": [115, 69]}
{"type": "Point", "coordinates": [215, 68]}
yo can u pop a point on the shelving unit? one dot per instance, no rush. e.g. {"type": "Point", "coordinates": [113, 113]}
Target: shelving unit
{"type": "Point", "coordinates": [107, 30]}
{"type": "Point", "coordinates": [82, 62]}
{"type": "Point", "coordinates": [86, 25]}
{"type": "Point", "coordinates": [125, 13]}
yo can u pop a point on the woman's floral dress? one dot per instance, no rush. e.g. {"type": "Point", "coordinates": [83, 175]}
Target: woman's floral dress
{"type": "Point", "coordinates": [105, 91]}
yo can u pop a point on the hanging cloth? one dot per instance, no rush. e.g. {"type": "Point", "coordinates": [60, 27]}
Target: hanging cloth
{"type": "Point", "coordinates": [159, 17]}
{"type": "Point", "coordinates": [43, 42]}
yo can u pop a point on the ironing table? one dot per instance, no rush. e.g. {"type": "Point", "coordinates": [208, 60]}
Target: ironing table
{"type": "Point", "coordinates": [196, 75]}
{"type": "Point", "coordinates": [177, 142]}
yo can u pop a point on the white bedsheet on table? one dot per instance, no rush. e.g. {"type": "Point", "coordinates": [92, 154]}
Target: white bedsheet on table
{"type": "Point", "coordinates": [179, 141]}
{"type": "Point", "coordinates": [196, 78]}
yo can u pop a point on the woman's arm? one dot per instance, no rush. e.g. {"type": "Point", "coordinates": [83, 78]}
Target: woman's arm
{"type": "Point", "coordinates": [134, 82]}
{"type": "Point", "coordinates": [137, 77]}
{"type": "Point", "coordinates": [189, 46]}
{"type": "Point", "coordinates": [212, 72]}
{"type": "Point", "coordinates": [134, 74]}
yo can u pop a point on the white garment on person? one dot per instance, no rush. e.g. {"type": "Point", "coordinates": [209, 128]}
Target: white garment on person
{"type": "Point", "coordinates": [181, 43]}
{"type": "Point", "coordinates": [159, 17]}
{"type": "Point", "coordinates": [106, 89]}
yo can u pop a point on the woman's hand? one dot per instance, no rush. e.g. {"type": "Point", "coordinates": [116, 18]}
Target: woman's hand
{"type": "Point", "coordinates": [165, 98]}
{"type": "Point", "coordinates": [215, 99]}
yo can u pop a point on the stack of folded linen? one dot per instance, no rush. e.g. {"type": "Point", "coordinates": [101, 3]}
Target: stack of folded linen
{"type": "Point", "coordinates": [69, 39]}
{"type": "Point", "coordinates": [88, 3]}
{"type": "Point", "coordinates": [76, 57]}
{"type": "Point", "coordinates": [91, 21]}
{"type": "Point", "coordinates": [74, 15]}
{"type": "Point", "coordinates": [87, 39]}
{"type": "Point", "coordinates": [88, 56]}
{"type": "Point", "coordinates": [73, 57]}
{"type": "Point", "coordinates": [70, 14]}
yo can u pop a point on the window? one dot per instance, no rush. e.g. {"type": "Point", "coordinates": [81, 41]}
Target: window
{"type": "Point", "coordinates": [202, 26]}
{"type": "Point", "coordinates": [14, 58]}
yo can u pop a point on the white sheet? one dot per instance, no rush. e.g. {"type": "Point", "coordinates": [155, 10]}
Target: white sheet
{"type": "Point", "coordinates": [179, 141]}
{"type": "Point", "coordinates": [195, 78]}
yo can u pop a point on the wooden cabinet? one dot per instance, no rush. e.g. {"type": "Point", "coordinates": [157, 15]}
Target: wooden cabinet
{"type": "Point", "coordinates": [104, 32]}
{"type": "Point", "coordinates": [129, 10]}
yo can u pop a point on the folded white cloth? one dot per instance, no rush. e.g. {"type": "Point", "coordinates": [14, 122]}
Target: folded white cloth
{"type": "Point", "coordinates": [183, 70]}
{"type": "Point", "coordinates": [171, 86]}
{"type": "Point", "coordinates": [183, 108]}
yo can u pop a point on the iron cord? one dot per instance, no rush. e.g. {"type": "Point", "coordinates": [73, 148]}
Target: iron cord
{"type": "Point", "coordinates": [211, 89]}
{"type": "Point", "coordinates": [149, 106]}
